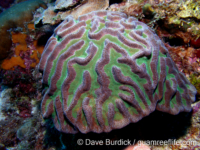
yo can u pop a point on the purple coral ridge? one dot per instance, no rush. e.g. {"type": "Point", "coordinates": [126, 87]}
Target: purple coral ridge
{"type": "Point", "coordinates": [106, 70]}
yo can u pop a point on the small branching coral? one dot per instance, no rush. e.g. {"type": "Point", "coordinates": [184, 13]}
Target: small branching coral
{"type": "Point", "coordinates": [106, 70]}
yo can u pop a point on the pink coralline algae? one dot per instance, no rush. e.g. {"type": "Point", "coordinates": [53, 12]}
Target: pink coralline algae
{"type": "Point", "coordinates": [106, 70]}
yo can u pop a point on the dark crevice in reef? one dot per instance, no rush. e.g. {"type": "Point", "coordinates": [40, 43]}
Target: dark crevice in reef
{"type": "Point", "coordinates": [157, 126]}
{"type": "Point", "coordinates": [173, 41]}
{"type": "Point", "coordinates": [47, 31]}
{"type": "Point", "coordinates": [44, 38]}
{"type": "Point", "coordinates": [51, 1]}
{"type": "Point", "coordinates": [115, 1]}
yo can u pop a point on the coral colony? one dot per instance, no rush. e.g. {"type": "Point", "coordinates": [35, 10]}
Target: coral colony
{"type": "Point", "coordinates": [106, 70]}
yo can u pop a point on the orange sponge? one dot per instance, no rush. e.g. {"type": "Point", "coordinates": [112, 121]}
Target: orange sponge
{"type": "Point", "coordinates": [21, 46]}
{"type": "Point", "coordinates": [8, 64]}
{"type": "Point", "coordinates": [19, 38]}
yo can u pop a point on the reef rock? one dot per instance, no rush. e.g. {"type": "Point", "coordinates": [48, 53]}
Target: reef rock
{"type": "Point", "coordinates": [106, 70]}
{"type": "Point", "coordinates": [63, 4]}
{"type": "Point", "coordinates": [14, 17]}
{"type": "Point", "coordinates": [62, 9]}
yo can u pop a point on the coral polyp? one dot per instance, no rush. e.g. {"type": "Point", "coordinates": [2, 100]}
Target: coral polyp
{"type": "Point", "coordinates": [106, 70]}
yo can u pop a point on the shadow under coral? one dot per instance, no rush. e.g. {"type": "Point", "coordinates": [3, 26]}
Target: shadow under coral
{"type": "Point", "coordinates": [156, 126]}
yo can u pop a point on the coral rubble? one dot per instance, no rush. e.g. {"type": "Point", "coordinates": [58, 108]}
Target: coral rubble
{"type": "Point", "coordinates": [106, 70]}
{"type": "Point", "coordinates": [176, 15]}
{"type": "Point", "coordinates": [20, 127]}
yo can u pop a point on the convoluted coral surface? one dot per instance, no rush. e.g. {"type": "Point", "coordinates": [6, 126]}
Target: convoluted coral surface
{"type": "Point", "coordinates": [106, 70]}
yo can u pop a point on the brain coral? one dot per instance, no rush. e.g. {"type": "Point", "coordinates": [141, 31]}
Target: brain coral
{"type": "Point", "coordinates": [106, 70]}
